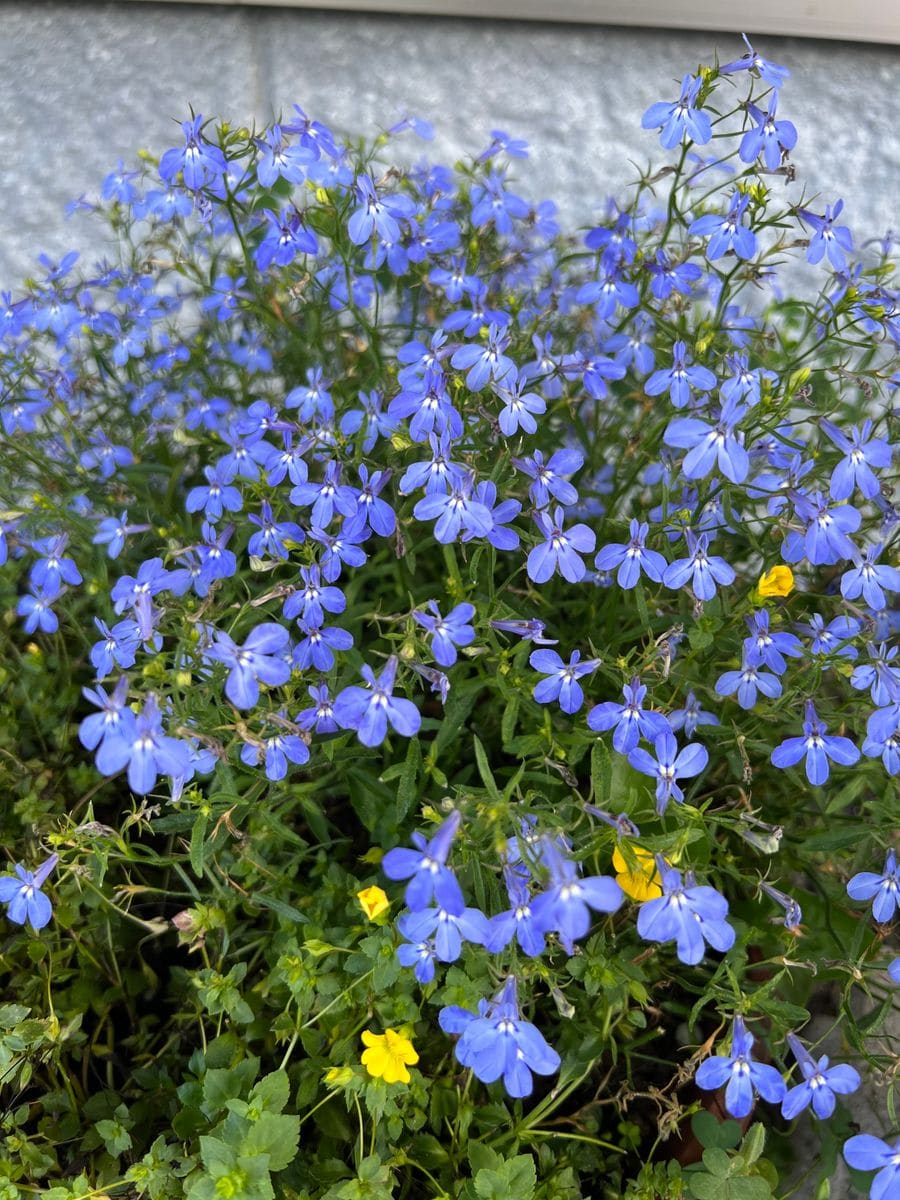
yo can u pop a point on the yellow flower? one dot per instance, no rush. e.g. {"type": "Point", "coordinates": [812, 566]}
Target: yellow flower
{"type": "Point", "coordinates": [777, 582]}
{"type": "Point", "coordinates": [374, 902]}
{"type": "Point", "coordinates": [388, 1055]}
{"type": "Point", "coordinates": [642, 883]}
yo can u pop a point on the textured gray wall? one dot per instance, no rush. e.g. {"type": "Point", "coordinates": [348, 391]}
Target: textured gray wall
{"type": "Point", "coordinates": [86, 83]}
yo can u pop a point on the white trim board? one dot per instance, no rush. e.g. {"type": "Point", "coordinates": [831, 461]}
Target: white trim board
{"type": "Point", "coordinates": [850, 20]}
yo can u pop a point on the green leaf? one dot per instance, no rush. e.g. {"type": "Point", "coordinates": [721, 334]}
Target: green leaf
{"type": "Point", "coordinates": [754, 1143]}
{"type": "Point", "coordinates": [516, 1177]}
{"type": "Point", "coordinates": [484, 770]}
{"type": "Point", "coordinates": [198, 845]}
{"type": "Point", "coordinates": [710, 1132]}
{"type": "Point", "coordinates": [601, 773]}
{"type": "Point", "coordinates": [116, 1137]}
{"type": "Point", "coordinates": [275, 1134]}
{"type": "Point", "coordinates": [717, 1162]}
{"type": "Point", "coordinates": [409, 779]}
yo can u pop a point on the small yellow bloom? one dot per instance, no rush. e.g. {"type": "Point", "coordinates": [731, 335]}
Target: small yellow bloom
{"type": "Point", "coordinates": [388, 1055]}
{"type": "Point", "coordinates": [642, 883]}
{"type": "Point", "coordinates": [777, 582]}
{"type": "Point", "coordinates": [338, 1076]}
{"type": "Point", "coordinates": [374, 902]}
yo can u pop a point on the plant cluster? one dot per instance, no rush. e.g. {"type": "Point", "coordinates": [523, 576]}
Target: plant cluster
{"type": "Point", "coordinates": [451, 709]}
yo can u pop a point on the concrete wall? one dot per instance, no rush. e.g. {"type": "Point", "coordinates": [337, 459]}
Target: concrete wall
{"type": "Point", "coordinates": [86, 83]}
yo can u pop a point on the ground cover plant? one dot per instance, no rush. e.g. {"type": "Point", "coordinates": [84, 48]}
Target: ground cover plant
{"type": "Point", "coordinates": [450, 702]}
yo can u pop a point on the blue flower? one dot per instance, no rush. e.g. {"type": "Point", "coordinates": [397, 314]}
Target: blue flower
{"type": "Point", "coordinates": [669, 765]}
{"type": "Point", "coordinates": [710, 446]}
{"type": "Point", "coordinates": [741, 1074]}
{"type": "Point", "coordinates": [770, 138]}
{"type": "Point", "coordinates": [704, 570]}
{"type": "Point", "coordinates": [745, 682]}
{"type": "Point", "coordinates": [548, 477]}
{"type": "Point", "coordinates": [820, 1085]}
{"type": "Point", "coordinates": [426, 868]}
{"type": "Point", "coordinates": [276, 751]}
{"type": "Point", "coordinates": [630, 720]}
{"type": "Point", "coordinates": [562, 678]}
{"type": "Point", "coordinates": [834, 638]}
{"type": "Point", "coordinates": [518, 921]}
{"type": "Point", "coordinates": [793, 914]}
{"type": "Point", "coordinates": [691, 716]}
{"type": "Point", "coordinates": [530, 631]}
{"type": "Point", "coordinates": [446, 930]}
{"type": "Point", "coordinates": [485, 363]}
{"type": "Point", "coordinates": [728, 232]}
{"type": "Point", "coordinates": [376, 214]}
{"type": "Point", "coordinates": [320, 717]}
{"type": "Point", "coordinates": [197, 160]}
{"type": "Point", "coordinates": [894, 970]}
{"type": "Point", "coordinates": [22, 894]}
{"type": "Point", "coordinates": [870, 579]}
{"type": "Point", "coordinates": [447, 632]}
{"type": "Point", "coordinates": [519, 406]}
{"type": "Point", "coordinates": [867, 1153]}
{"type": "Point", "coordinates": [769, 72]}
{"type": "Point", "coordinates": [862, 452]}
{"type": "Point", "coordinates": [680, 378]}
{"type": "Point", "coordinates": [269, 541]}
{"type": "Point", "coordinates": [421, 956]}
{"type": "Point", "coordinates": [259, 659]}
{"type": "Point", "coordinates": [311, 602]}
{"type": "Point", "coordinates": [318, 645]}
{"type": "Point", "coordinates": [565, 905]}
{"type": "Point", "coordinates": [142, 745]}
{"type": "Point", "coordinates": [817, 746]}
{"type": "Point", "coordinates": [631, 558]}
{"type": "Point", "coordinates": [681, 119]}
{"type": "Point", "coordinates": [455, 513]}
{"type": "Point", "coordinates": [498, 1042]}
{"type": "Point", "coordinates": [562, 549]}
{"type": "Point", "coordinates": [37, 611]}
{"type": "Point", "coordinates": [884, 889]}
{"type": "Point", "coordinates": [835, 240]}
{"type": "Point", "coordinates": [218, 495]}
{"type": "Point", "coordinates": [686, 914]}
{"type": "Point", "coordinates": [766, 648]}
{"type": "Point", "coordinates": [369, 710]}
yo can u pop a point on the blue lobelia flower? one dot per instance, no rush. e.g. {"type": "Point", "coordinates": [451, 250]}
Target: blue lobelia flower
{"type": "Point", "coordinates": [769, 137]}
{"type": "Point", "coordinates": [562, 549]}
{"type": "Point", "coordinates": [426, 868]}
{"type": "Point", "coordinates": [218, 495]}
{"type": "Point", "coordinates": [145, 749]}
{"type": "Point", "coordinates": [519, 405]}
{"type": "Point", "coordinates": [702, 569]}
{"type": "Point", "coordinates": [862, 453]}
{"type": "Point", "coordinates": [864, 1152]}
{"type": "Point", "coordinates": [318, 645]}
{"type": "Point", "coordinates": [793, 914]}
{"type": "Point", "coordinates": [455, 512]}
{"type": "Point", "coordinates": [447, 632]}
{"type": "Point", "coordinates": [259, 659]}
{"type": "Point", "coordinates": [728, 232]}
{"type": "Point", "coordinates": [669, 765]}
{"type": "Point", "coordinates": [821, 1083]}
{"type": "Point", "coordinates": [769, 72]}
{"type": "Point", "coordinates": [565, 905]}
{"type": "Point", "coordinates": [562, 678]}
{"type": "Point", "coordinates": [276, 752]}
{"type": "Point", "coordinates": [319, 718]}
{"type": "Point", "coordinates": [765, 648]}
{"type": "Point", "coordinates": [631, 558]}
{"type": "Point", "coordinates": [518, 921]}
{"type": "Point", "coordinates": [486, 363]}
{"type": "Point", "coordinates": [686, 914]}
{"type": "Point", "coordinates": [445, 930]}
{"type": "Point", "coordinates": [834, 240]}
{"type": "Point", "coordinates": [742, 1075]}
{"type": "Point", "coordinates": [421, 956]}
{"type": "Point", "coordinates": [883, 743]}
{"type": "Point", "coordinates": [376, 214]}
{"type": "Point", "coordinates": [833, 638]}
{"type": "Point", "coordinates": [710, 446]}
{"type": "Point", "coordinates": [369, 710]}
{"type": "Point", "coordinates": [197, 160]}
{"type": "Point", "coordinates": [894, 970]}
{"type": "Point", "coordinates": [22, 894]}
{"type": "Point", "coordinates": [548, 477]}
{"type": "Point", "coordinates": [691, 716]}
{"type": "Point", "coordinates": [497, 1042]}
{"type": "Point", "coordinates": [37, 611]}
{"type": "Point", "coordinates": [870, 579]}
{"type": "Point", "coordinates": [681, 118]}
{"type": "Point", "coordinates": [883, 889]}
{"type": "Point", "coordinates": [529, 631]}
{"type": "Point", "coordinates": [679, 379]}
{"type": "Point", "coordinates": [310, 603]}
{"type": "Point", "coordinates": [630, 720]}
{"type": "Point", "coordinates": [372, 512]}
{"type": "Point", "coordinates": [825, 539]}
{"type": "Point", "coordinates": [746, 682]}
{"type": "Point", "coordinates": [269, 541]}
{"type": "Point", "coordinates": [499, 535]}
{"type": "Point", "coordinates": [882, 679]}
{"type": "Point", "coordinates": [818, 747]}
